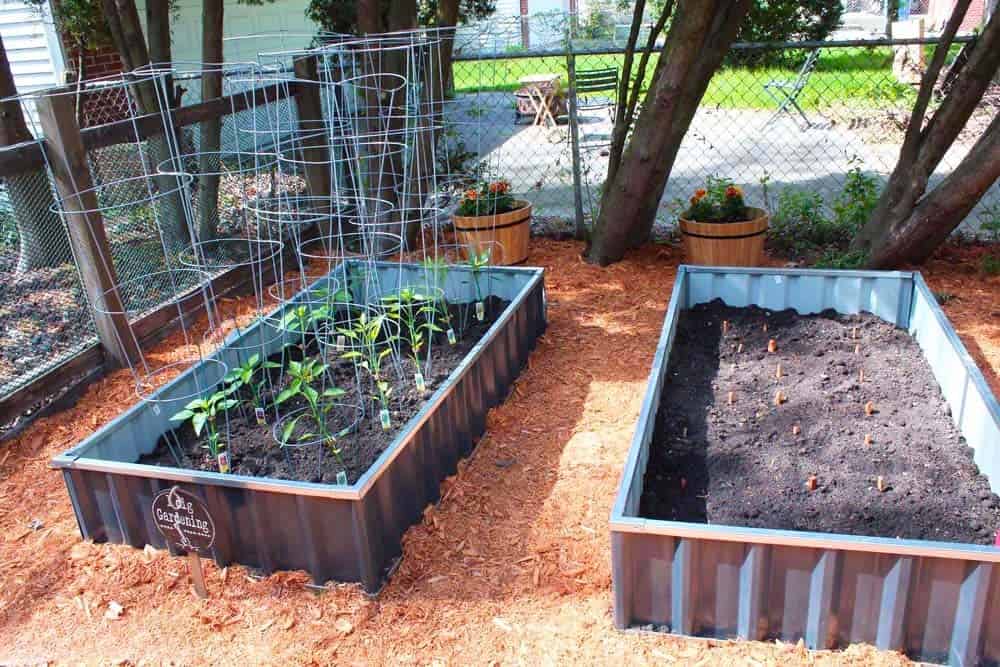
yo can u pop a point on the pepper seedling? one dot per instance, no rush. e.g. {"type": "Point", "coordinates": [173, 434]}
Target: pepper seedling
{"type": "Point", "coordinates": [203, 413]}
{"type": "Point", "coordinates": [304, 375]}
{"type": "Point", "coordinates": [365, 332]}
{"type": "Point", "coordinates": [437, 269]}
{"type": "Point", "coordinates": [244, 376]}
{"type": "Point", "coordinates": [414, 313]}
{"type": "Point", "coordinates": [477, 262]}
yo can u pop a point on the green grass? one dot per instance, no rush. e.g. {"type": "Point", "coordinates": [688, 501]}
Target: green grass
{"type": "Point", "coordinates": [856, 77]}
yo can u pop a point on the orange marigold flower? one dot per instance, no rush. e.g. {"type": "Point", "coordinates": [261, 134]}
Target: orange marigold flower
{"type": "Point", "coordinates": [700, 192]}
{"type": "Point", "coordinates": [734, 191]}
{"type": "Point", "coordinates": [471, 194]}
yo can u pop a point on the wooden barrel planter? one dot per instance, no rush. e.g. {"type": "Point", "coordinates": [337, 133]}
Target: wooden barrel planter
{"type": "Point", "coordinates": [725, 243]}
{"type": "Point", "coordinates": [507, 233]}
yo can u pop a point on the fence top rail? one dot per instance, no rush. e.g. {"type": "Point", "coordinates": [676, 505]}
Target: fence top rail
{"type": "Point", "coordinates": [737, 46]}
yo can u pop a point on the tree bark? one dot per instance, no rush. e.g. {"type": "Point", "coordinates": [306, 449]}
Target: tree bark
{"type": "Point", "coordinates": [209, 163]}
{"type": "Point", "coordinates": [914, 239]}
{"type": "Point", "coordinates": [700, 35]}
{"type": "Point", "coordinates": [42, 238]}
{"type": "Point", "coordinates": [887, 233]}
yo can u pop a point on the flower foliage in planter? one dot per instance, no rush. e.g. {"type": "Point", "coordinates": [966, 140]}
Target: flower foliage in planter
{"type": "Point", "coordinates": [487, 198]}
{"type": "Point", "coordinates": [719, 201]}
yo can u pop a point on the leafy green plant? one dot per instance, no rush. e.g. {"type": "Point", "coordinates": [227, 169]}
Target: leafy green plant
{"type": "Point", "coordinates": [990, 264]}
{"type": "Point", "coordinates": [856, 201]}
{"type": "Point", "coordinates": [304, 376]}
{"type": "Point", "coordinates": [835, 259]}
{"type": "Point", "coordinates": [203, 414]}
{"type": "Point", "coordinates": [246, 375]}
{"type": "Point", "coordinates": [477, 262]}
{"type": "Point", "coordinates": [415, 313]}
{"type": "Point", "coordinates": [370, 350]}
{"type": "Point", "coordinates": [302, 318]}
{"type": "Point", "coordinates": [436, 274]}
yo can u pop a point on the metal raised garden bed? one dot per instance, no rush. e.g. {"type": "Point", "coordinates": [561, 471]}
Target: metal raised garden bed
{"type": "Point", "coordinates": [935, 601]}
{"type": "Point", "coordinates": [344, 533]}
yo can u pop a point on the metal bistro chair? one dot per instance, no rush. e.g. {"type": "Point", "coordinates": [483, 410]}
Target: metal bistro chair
{"type": "Point", "coordinates": [786, 93]}
{"type": "Point", "coordinates": [590, 83]}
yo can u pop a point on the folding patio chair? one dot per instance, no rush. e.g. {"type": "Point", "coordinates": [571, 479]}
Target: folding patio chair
{"type": "Point", "coordinates": [590, 83]}
{"type": "Point", "coordinates": [786, 93]}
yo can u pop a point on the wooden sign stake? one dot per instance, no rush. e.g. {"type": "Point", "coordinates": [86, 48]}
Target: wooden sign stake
{"type": "Point", "coordinates": [197, 574]}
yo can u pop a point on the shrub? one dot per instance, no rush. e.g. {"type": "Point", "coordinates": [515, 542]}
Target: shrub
{"type": "Point", "coordinates": [785, 21]}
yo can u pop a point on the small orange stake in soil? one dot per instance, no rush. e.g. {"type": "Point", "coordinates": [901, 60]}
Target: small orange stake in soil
{"type": "Point", "coordinates": [869, 408]}
{"type": "Point", "coordinates": [861, 375]}
{"type": "Point", "coordinates": [854, 333]}
{"type": "Point", "coordinates": [765, 327]}
{"type": "Point", "coordinates": [725, 327]}
{"type": "Point", "coordinates": [684, 483]}
{"type": "Point", "coordinates": [772, 345]}
{"type": "Point", "coordinates": [868, 438]}
{"type": "Point", "coordinates": [777, 372]}
{"type": "Point", "coordinates": [732, 397]}
{"type": "Point", "coordinates": [779, 397]}
{"type": "Point", "coordinates": [796, 430]}
{"type": "Point", "coordinates": [880, 484]}
{"type": "Point", "coordinates": [857, 349]}
{"type": "Point", "coordinates": [811, 483]}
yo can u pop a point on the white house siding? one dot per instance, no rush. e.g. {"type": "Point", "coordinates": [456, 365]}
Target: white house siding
{"type": "Point", "coordinates": [32, 47]}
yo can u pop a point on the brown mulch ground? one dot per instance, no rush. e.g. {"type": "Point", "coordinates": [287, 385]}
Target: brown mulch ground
{"type": "Point", "coordinates": [513, 566]}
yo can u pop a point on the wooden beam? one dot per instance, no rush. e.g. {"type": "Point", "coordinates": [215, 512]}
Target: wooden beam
{"type": "Point", "coordinates": [71, 173]}
{"type": "Point", "coordinates": [312, 126]}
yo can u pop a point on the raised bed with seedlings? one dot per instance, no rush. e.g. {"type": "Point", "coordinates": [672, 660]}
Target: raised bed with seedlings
{"type": "Point", "coordinates": [817, 458]}
{"type": "Point", "coordinates": [319, 435]}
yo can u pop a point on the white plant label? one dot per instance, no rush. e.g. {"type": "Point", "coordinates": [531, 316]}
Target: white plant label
{"type": "Point", "coordinates": [156, 409]}
{"type": "Point", "coordinates": [480, 311]}
{"type": "Point", "coordinates": [259, 413]}
{"type": "Point", "coordinates": [342, 478]}
{"type": "Point", "coordinates": [383, 417]}
{"type": "Point", "coordinates": [223, 461]}
{"type": "Point", "coordinates": [419, 380]}
{"type": "Point", "coordinates": [451, 336]}
{"type": "Point", "coordinates": [341, 341]}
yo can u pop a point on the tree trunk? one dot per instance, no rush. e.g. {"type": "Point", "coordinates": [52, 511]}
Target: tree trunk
{"type": "Point", "coordinates": [41, 236]}
{"type": "Point", "coordinates": [211, 129]}
{"type": "Point", "coordinates": [891, 235]}
{"type": "Point", "coordinates": [914, 239]}
{"type": "Point", "coordinates": [447, 17]}
{"type": "Point", "coordinates": [126, 32]}
{"type": "Point", "coordinates": [158, 27]}
{"type": "Point", "coordinates": [700, 35]}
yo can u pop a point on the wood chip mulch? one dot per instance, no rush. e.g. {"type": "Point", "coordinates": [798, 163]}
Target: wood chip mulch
{"type": "Point", "coordinates": [512, 567]}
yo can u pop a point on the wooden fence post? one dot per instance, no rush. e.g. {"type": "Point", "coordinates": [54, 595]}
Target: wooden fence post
{"type": "Point", "coordinates": [312, 126]}
{"type": "Point", "coordinates": [68, 161]}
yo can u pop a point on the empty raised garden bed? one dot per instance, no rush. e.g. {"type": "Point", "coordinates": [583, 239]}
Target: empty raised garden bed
{"type": "Point", "coordinates": [733, 514]}
{"type": "Point", "coordinates": [343, 532]}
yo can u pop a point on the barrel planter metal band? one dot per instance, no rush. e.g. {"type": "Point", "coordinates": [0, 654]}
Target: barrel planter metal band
{"type": "Point", "coordinates": [507, 234]}
{"type": "Point", "coordinates": [935, 601]}
{"type": "Point", "coordinates": [334, 532]}
{"type": "Point", "coordinates": [725, 243]}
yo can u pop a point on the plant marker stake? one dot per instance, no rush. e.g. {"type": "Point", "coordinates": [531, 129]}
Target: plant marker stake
{"type": "Point", "coordinates": [739, 348]}
{"type": "Point", "coordinates": [857, 349]}
{"type": "Point", "coordinates": [451, 336]}
{"type": "Point", "coordinates": [772, 346]}
{"type": "Point", "coordinates": [777, 372]}
{"type": "Point", "coordinates": [480, 311]}
{"type": "Point", "coordinates": [779, 397]}
{"type": "Point", "coordinates": [383, 417]}
{"type": "Point", "coordinates": [861, 375]}
{"type": "Point", "coordinates": [732, 397]}
{"type": "Point", "coordinates": [183, 520]}
{"type": "Point", "coordinates": [341, 341]}
{"type": "Point", "coordinates": [684, 483]}
{"type": "Point", "coordinates": [725, 327]}
{"type": "Point", "coordinates": [223, 461]}
{"type": "Point", "coordinates": [259, 413]}
{"type": "Point", "coordinates": [342, 478]}
{"type": "Point", "coordinates": [868, 438]}
{"type": "Point", "coordinates": [765, 327]}
{"type": "Point", "coordinates": [854, 333]}
{"type": "Point", "coordinates": [811, 483]}
{"type": "Point", "coordinates": [880, 484]}
{"type": "Point", "coordinates": [869, 408]}
{"type": "Point", "coordinates": [796, 430]}
{"type": "Point", "coordinates": [197, 574]}
{"type": "Point", "coordinates": [418, 378]}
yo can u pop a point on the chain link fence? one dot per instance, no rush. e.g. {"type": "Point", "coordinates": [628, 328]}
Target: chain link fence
{"type": "Point", "coordinates": [849, 114]}
{"type": "Point", "coordinates": [770, 127]}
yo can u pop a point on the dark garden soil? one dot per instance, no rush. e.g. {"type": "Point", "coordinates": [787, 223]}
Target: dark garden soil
{"type": "Point", "coordinates": [724, 453]}
{"type": "Point", "coordinates": [255, 452]}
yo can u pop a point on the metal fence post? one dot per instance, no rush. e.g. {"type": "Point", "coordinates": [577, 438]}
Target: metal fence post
{"type": "Point", "coordinates": [574, 135]}
{"type": "Point", "coordinates": [85, 225]}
